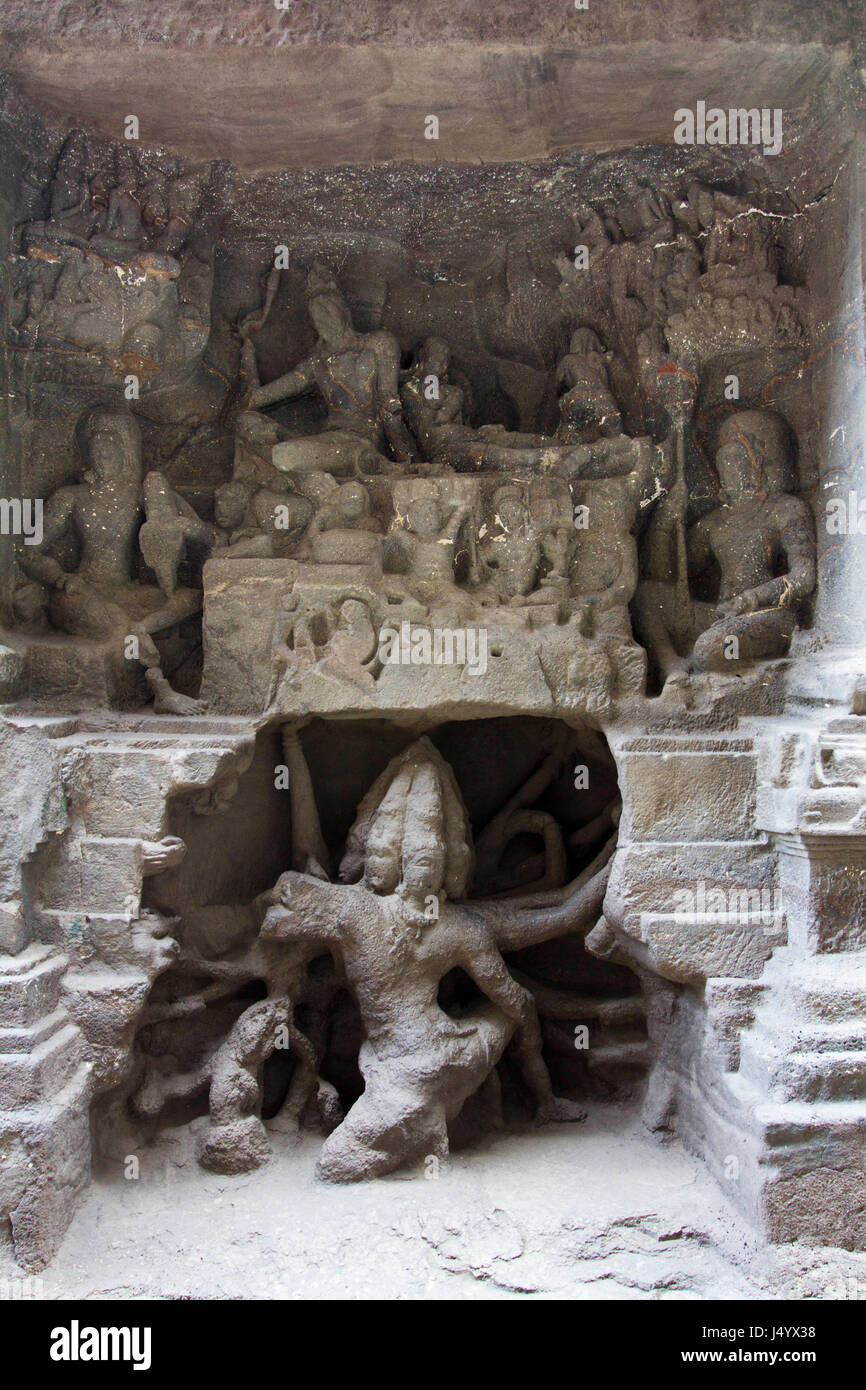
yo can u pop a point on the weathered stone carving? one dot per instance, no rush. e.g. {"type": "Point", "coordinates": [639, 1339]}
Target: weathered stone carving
{"type": "Point", "coordinates": [762, 539]}
{"type": "Point", "coordinates": [433, 407]}
{"type": "Point", "coordinates": [356, 376]}
{"type": "Point", "coordinates": [100, 600]}
{"type": "Point", "coordinates": [587, 408]}
{"type": "Point", "coordinates": [406, 491]}
{"type": "Point", "coordinates": [112, 276]}
{"type": "Point", "coordinates": [397, 925]}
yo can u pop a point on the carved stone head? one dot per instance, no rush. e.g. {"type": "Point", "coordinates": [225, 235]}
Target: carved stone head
{"type": "Point", "coordinates": [110, 445]}
{"type": "Point", "coordinates": [412, 834]}
{"type": "Point", "coordinates": [327, 307]}
{"type": "Point", "coordinates": [754, 455]}
{"type": "Point", "coordinates": [424, 517]}
{"type": "Point", "coordinates": [511, 511]}
{"type": "Point", "coordinates": [353, 501]}
{"type": "Point", "coordinates": [585, 341]}
{"type": "Point", "coordinates": [433, 357]}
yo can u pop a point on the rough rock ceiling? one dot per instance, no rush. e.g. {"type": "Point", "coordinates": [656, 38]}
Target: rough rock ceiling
{"type": "Point", "coordinates": [322, 85]}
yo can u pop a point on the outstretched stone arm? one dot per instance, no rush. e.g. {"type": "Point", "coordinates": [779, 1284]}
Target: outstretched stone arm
{"type": "Point", "coordinates": [489, 845]}
{"type": "Point", "coordinates": [302, 908]}
{"type": "Point", "coordinates": [516, 923]}
{"type": "Point", "coordinates": [554, 868]}
{"type": "Point", "coordinates": [297, 382]}
{"type": "Point", "coordinates": [483, 963]}
{"type": "Point", "coordinates": [305, 908]}
{"type": "Point", "coordinates": [185, 509]}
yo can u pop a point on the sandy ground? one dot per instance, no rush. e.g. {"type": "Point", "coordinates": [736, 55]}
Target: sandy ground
{"type": "Point", "coordinates": [600, 1210]}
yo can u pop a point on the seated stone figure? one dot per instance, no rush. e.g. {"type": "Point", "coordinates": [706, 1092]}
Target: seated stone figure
{"type": "Point", "coordinates": [101, 601]}
{"type": "Point", "coordinates": [259, 510]}
{"type": "Point", "coordinates": [551, 508]}
{"type": "Point", "coordinates": [356, 376]}
{"type": "Point", "coordinates": [587, 408]}
{"type": "Point", "coordinates": [511, 547]}
{"type": "Point", "coordinates": [254, 438]}
{"type": "Point", "coordinates": [433, 407]}
{"type": "Point", "coordinates": [527, 543]}
{"type": "Point", "coordinates": [761, 537]}
{"type": "Point", "coordinates": [344, 530]}
{"type": "Point", "coordinates": [426, 544]}
{"type": "Point", "coordinates": [268, 523]}
{"type": "Point", "coordinates": [398, 925]}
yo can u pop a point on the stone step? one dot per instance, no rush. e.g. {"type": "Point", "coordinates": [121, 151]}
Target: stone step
{"type": "Point", "coordinates": [615, 1012]}
{"type": "Point", "coordinates": [139, 729]}
{"type": "Point", "coordinates": [810, 1076]}
{"type": "Point", "coordinates": [30, 985]}
{"type": "Point", "coordinates": [777, 1071]}
{"type": "Point", "coordinates": [830, 987]}
{"type": "Point", "coordinates": [785, 1122]}
{"type": "Point", "coordinates": [769, 1036]}
{"type": "Point", "coordinates": [615, 1056]}
{"type": "Point", "coordinates": [846, 1035]}
{"type": "Point", "coordinates": [559, 1005]}
{"type": "Point", "coordinates": [29, 1077]}
{"type": "Point", "coordinates": [27, 1038]}
{"type": "Point", "coordinates": [692, 946]}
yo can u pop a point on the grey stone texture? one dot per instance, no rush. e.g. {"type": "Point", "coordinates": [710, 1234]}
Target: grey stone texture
{"type": "Point", "coordinates": [433, 694]}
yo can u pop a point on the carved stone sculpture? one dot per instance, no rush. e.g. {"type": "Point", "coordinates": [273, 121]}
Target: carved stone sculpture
{"type": "Point", "coordinates": [433, 408]}
{"type": "Point", "coordinates": [101, 600]}
{"type": "Point", "coordinates": [587, 408]}
{"type": "Point", "coordinates": [761, 536]}
{"type": "Point", "coordinates": [398, 927]}
{"type": "Point", "coordinates": [356, 376]}
{"type": "Point", "coordinates": [431, 637]}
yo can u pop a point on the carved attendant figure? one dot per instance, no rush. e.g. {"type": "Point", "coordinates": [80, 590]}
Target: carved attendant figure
{"type": "Point", "coordinates": [101, 600]}
{"type": "Point", "coordinates": [587, 408]}
{"type": "Point", "coordinates": [762, 539]}
{"type": "Point", "coordinates": [433, 407]}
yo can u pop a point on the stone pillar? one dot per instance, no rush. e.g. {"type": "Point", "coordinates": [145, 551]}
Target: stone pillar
{"type": "Point", "coordinates": [10, 482]}
{"type": "Point", "coordinates": [839, 390]}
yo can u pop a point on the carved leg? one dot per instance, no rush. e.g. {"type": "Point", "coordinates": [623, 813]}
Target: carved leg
{"type": "Point", "coordinates": [730, 642]}
{"type": "Point", "coordinates": [403, 1114]}
{"type": "Point", "coordinates": [653, 609]}
{"type": "Point", "coordinates": [182, 604]}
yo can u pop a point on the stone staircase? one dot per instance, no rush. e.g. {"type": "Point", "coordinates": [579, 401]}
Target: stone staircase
{"type": "Point", "coordinates": [802, 1078]}
{"type": "Point", "coordinates": [45, 1089]}
{"type": "Point", "coordinates": [81, 955]}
